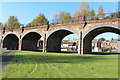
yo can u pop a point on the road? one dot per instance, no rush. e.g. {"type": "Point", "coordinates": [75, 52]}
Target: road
{"type": "Point", "coordinates": [5, 58]}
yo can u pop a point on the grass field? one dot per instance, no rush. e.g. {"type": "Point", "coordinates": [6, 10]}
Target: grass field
{"type": "Point", "coordinates": [60, 65]}
{"type": "Point", "coordinates": [4, 51]}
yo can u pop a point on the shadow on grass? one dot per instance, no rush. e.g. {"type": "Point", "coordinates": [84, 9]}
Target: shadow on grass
{"type": "Point", "coordinates": [75, 52]}
{"type": "Point", "coordinates": [33, 59]}
{"type": "Point", "coordinates": [69, 52]}
{"type": "Point", "coordinates": [60, 79]}
{"type": "Point", "coordinates": [104, 53]}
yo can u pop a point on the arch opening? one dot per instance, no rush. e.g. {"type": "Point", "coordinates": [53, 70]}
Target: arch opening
{"type": "Point", "coordinates": [87, 41]}
{"type": "Point", "coordinates": [11, 42]}
{"type": "Point", "coordinates": [30, 41]}
{"type": "Point", "coordinates": [106, 42]}
{"type": "Point", "coordinates": [55, 39]}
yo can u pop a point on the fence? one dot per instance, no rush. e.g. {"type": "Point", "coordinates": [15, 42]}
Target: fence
{"type": "Point", "coordinates": [76, 19]}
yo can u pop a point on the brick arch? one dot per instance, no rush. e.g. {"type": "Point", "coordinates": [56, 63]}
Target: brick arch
{"type": "Point", "coordinates": [10, 41]}
{"type": "Point", "coordinates": [30, 40]}
{"type": "Point", "coordinates": [36, 31]}
{"type": "Point", "coordinates": [11, 33]}
{"type": "Point", "coordinates": [101, 26]}
{"type": "Point", "coordinates": [93, 32]}
{"type": "Point", "coordinates": [61, 28]}
{"type": "Point", "coordinates": [55, 36]}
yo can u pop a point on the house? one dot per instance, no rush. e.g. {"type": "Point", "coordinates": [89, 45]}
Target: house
{"type": "Point", "coordinates": [113, 45]}
{"type": "Point", "coordinates": [69, 45]}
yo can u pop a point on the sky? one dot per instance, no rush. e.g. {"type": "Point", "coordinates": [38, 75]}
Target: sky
{"type": "Point", "coordinates": [27, 11]}
{"type": "Point", "coordinates": [107, 36]}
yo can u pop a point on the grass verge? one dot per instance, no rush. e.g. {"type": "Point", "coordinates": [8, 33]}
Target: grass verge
{"type": "Point", "coordinates": [28, 64]}
{"type": "Point", "coordinates": [4, 51]}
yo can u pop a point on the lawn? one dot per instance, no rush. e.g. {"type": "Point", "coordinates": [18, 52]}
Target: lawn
{"type": "Point", "coordinates": [4, 51]}
{"type": "Point", "coordinates": [60, 65]}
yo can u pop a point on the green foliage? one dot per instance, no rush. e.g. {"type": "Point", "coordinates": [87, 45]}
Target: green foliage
{"type": "Point", "coordinates": [4, 51]}
{"type": "Point", "coordinates": [115, 15]}
{"type": "Point", "coordinates": [100, 12]}
{"type": "Point", "coordinates": [92, 12]}
{"type": "Point", "coordinates": [65, 17]}
{"type": "Point", "coordinates": [107, 17]}
{"type": "Point", "coordinates": [102, 39]}
{"type": "Point", "coordinates": [104, 48]}
{"type": "Point", "coordinates": [84, 8]}
{"type": "Point", "coordinates": [77, 15]}
{"type": "Point", "coordinates": [6, 27]}
{"type": "Point", "coordinates": [39, 20]}
{"type": "Point", "coordinates": [13, 23]}
{"type": "Point", "coordinates": [96, 18]}
{"type": "Point", "coordinates": [1, 26]}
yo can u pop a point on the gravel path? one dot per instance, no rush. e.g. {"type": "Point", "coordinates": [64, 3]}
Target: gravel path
{"type": "Point", "coordinates": [5, 58]}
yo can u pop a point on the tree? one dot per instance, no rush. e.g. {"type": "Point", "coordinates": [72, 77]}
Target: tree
{"type": "Point", "coordinates": [102, 39]}
{"type": "Point", "coordinates": [77, 13]}
{"type": "Point", "coordinates": [13, 22]}
{"type": "Point", "coordinates": [100, 12]}
{"type": "Point", "coordinates": [92, 14]}
{"type": "Point", "coordinates": [6, 27]}
{"type": "Point", "coordinates": [115, 15]}
{"type": "Point", "coordinates": [84, 8]}
{"type": "Point", "coordinates": [65, 17]}
{"type": "Point", "coordinates": [40, 19]}
{"type": "Point", "coordinates": [1, 25]}
{"type": "Point", "coordinates": [56, 16]}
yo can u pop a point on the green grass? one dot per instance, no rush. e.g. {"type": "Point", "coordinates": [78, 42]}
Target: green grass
{"type": "Point", "coordinates": [4, 51]}
{"type": "Point", "coordinates": [69, 52]}
{"type": "Point", "coordinates": [59, 65]}
{"type": "Point", "coordinates": [109, 53]}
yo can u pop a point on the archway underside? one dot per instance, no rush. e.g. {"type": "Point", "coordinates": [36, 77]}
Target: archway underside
{"type": "Point", "coordinates": [87, 46]}
{"type": "Point", "coordinates": [54, 40]}
{"type": "Point", "coordinates": [11, 42]}
{"type": "Point", "coordinates": [30, 40]}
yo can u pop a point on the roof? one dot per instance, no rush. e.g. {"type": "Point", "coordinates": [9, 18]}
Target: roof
{"type": "Point", "coordinates": [69, 43]}
{"type": "Point", "coordinates": [107, 40]}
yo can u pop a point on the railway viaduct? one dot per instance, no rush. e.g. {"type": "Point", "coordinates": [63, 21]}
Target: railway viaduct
{"type": "Point", "coordinates": [27, 38]}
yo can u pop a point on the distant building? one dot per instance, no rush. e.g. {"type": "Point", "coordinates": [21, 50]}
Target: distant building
{"type": "Point", "coordinates": [69, 45]}
{"type": "Point", "coordinates": [113, 45]}
{"type": "Point", "coordinates": [106, 44]}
